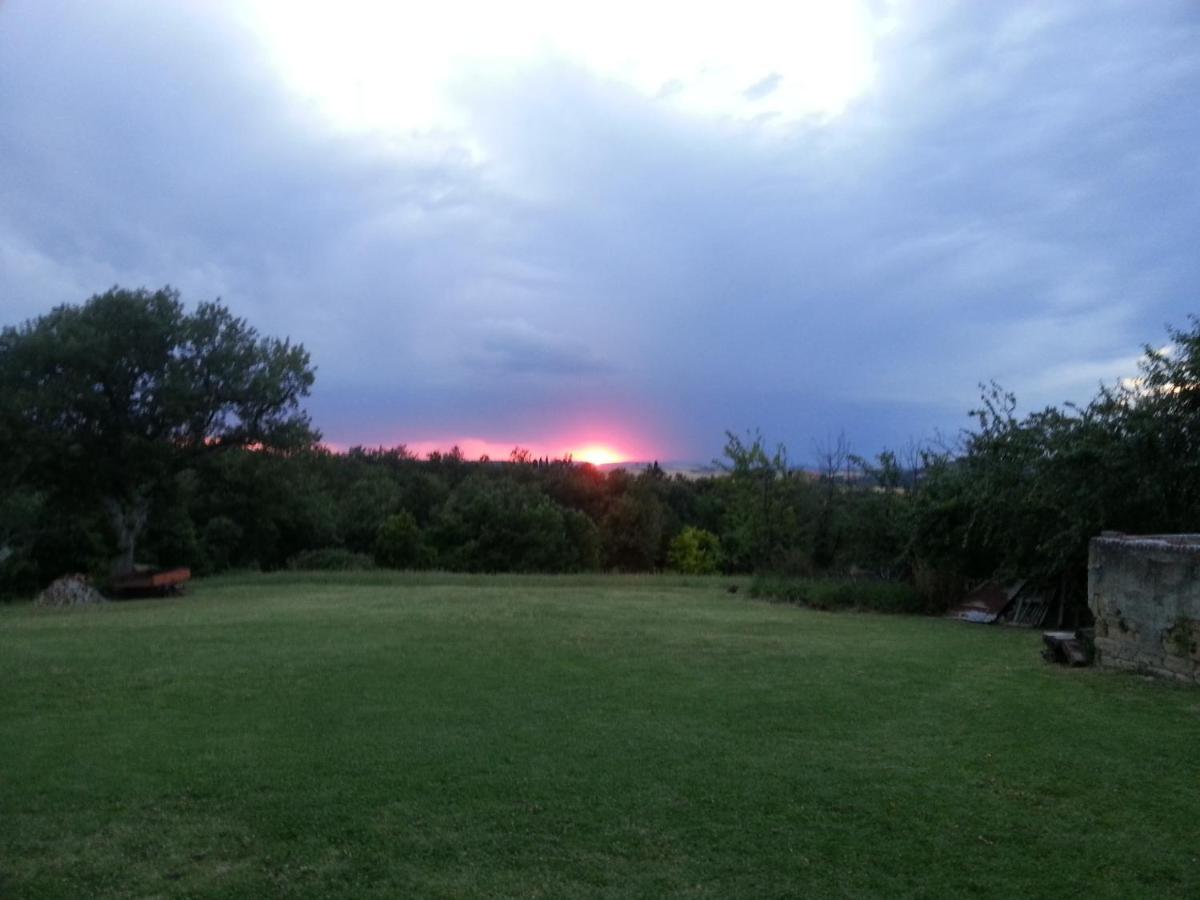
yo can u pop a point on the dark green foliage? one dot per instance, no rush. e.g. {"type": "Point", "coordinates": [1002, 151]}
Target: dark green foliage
{"type": "Point", "coordinates": [372, 498]}
{"type": "Point", "coordinates": [20, 512]}
{"type": "Point", "coordinates": [632, 531]}
{"type": "Point", "coordinates": [498, 525]}
{"type": "Point", "coordinates": [768, 506]}
{"type": "Point", "coordinates": [1024, 495]}
{"type": "Point", "coordinates": [584, 539]}
{"type": "Point", "coordinates": [399, 543]}
{"type": "Point", "coordinates": [69, 541]}
{"type": "Point", "coordinates": [581, 487]}
{"type": "Point", "coordinates": [941, 587]}
{"type": "Point", "coordinates": [282, 504]}
{"type": "Point", "coordinates": [220, 541]}
{"type": "Point", "coordinates": [110, 398]}
{"type": "Point", "coordinates": [877, 519]}
{"type": "Point", "coordinates": [332, 559]}
{"type": "Point", "coordinates": [835, 594]}
{"type": "Point", "coordinates": [171, 539]}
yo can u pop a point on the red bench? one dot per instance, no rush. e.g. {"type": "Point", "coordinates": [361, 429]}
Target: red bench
{"type": "Point", "coordinates": [157, 584]}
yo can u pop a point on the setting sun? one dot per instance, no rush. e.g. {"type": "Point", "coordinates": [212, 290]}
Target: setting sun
{"type": "Point", "coordinates": [597, 455]}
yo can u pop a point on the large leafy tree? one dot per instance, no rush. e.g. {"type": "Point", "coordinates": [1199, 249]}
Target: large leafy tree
{"type": "Point", "coordinates": [1025, 495]}
{"type": "Point", "coordinates": [107, 400]}
{"type": "Point", "coordinates": [767, 502]}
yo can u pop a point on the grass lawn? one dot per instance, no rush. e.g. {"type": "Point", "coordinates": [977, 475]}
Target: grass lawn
{"type": "Point", "coordinates": [389, 735]}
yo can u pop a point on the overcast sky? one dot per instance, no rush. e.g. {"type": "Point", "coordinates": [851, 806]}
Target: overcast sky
{"type": "Point", "coordinates": [635, 226]}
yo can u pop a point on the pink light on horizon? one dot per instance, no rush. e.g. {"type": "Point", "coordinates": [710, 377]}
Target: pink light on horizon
{"type": "Point", "coordinates": [599, 446]}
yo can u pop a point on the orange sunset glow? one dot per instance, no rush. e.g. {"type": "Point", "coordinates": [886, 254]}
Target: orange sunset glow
{"type": "Point", "coordinates": [603, 451]}
{"type": "Point", "coordinates": [598, 455]}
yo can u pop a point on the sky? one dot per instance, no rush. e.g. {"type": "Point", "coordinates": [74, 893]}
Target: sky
{"type": "Point", "coordinates": [621, 229]}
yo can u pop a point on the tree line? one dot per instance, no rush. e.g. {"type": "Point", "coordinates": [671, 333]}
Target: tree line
{"type": "Point", "coordinates": [132, 430]}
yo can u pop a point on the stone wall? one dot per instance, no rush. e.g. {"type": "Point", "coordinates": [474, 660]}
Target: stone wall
{"type": "Point", "coordinates": [1145, 594]}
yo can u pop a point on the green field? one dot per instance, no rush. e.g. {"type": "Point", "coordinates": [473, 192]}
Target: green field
{"type": "Point", "coordinates": [389, 735]}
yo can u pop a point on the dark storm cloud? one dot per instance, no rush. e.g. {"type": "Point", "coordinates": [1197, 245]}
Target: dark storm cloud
{"type": "Point", "coordinates": [516, 347]}
{"type": "Point", "coordinates": [1015, 198]}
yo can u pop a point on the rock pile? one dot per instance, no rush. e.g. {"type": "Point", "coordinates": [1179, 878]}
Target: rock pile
{"type": "Point", "coordinates": [70, 590]}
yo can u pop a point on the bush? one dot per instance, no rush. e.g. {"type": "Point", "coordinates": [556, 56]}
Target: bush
{"type": "Point", "coordinates": [500, 525]}
{"type": "Point", "coordinates": [334, 559]}
{"type": "Point", "coordinates": [834, 594]}
{"type": "Point", "coordinates": [170, 539]}
{"type": "Point", "coordinates": [940, 587]}
{"type": "Point", "coordinates": [584, 536]}
{"type": "Point", "coordinates": [221, 540]}
{"type": "Point", "coordinates": [69, 543]}
{"type": "Point", "coordinates": [695, 552]}
{"type": "Point", "coordinates": [18, 575]}
{"type": "Point", "coordinates": [19, 516]}
{"type": "Point", "coordinates": [632, 531]}
{"type": "Point", "coordinates": [399, 543]}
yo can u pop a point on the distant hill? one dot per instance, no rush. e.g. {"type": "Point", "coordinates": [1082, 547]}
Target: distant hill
{"type": "Point", "coordinates": [672, 467]}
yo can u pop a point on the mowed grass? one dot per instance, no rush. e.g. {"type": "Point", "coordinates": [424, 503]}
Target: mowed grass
{"type": "Point", "coordinates": [387, 735]}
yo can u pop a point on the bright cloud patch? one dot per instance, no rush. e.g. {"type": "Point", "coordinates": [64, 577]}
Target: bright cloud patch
{"type": "Point", "coordinates": [393, 67]}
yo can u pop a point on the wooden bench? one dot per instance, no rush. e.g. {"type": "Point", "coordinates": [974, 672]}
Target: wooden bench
{"type": "Point", "coordinates": [160, 583]}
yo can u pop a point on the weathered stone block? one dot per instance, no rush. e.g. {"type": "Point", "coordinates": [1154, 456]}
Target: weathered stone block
{"type": "Point", "coordinates": [1180, 666]}
{"type": "Point", "coordinates": [1116, 662]}
{"type": "Point", "coordinates": [1144, 592]}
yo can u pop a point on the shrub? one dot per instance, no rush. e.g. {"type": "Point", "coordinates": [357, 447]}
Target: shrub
{"type": "Point", "coordinates": [941, 587]}
{"type": "Point", "coordinates": [364, 506]}
{"type": "Point", "coordinates": [632, 531]}
{"type": "Point", "coordinates": [500, 525]}
{"type": "Point", "coordinates": [20, 512]}
{"type": "Point", "coordinates": [69, 543]}
{"type": "Point", "coordinates": [221, 540]}
{"type": "Point", "coordinates": [171, 540]}
{"type": "Point", "coordinates": [834, 594]}
{"type": "Point", "coordinates": [584, 536]}
{"type": "Point", "coordinates": [18, 575]}
{"type": "Point", "coordinates": [330, 559]}
{"type": "Point", "coordinates": [695, 551]}
{"type": "Point", "coordinates": [399, 543]}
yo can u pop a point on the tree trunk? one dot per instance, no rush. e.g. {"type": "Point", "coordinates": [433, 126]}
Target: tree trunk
{"type": "Point", "coordinates": [127, 518]}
